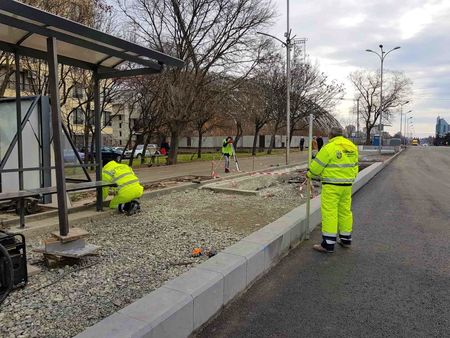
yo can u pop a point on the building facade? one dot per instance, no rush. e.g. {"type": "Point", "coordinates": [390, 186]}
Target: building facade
{"type": "Point", "coordinates": [442, 127]}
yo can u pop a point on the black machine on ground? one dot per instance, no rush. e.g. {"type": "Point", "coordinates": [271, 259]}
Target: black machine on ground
{"type": "Point", "coordinates": [13, 263]}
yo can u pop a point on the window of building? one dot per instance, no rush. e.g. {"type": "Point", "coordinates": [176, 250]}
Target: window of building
{"type": "Point", "coordinates": [120, 125]}
{"type": "Point", "coordinates": [77, 91]}
{"type": "Point", "coordinates": [78, 116]}
{"type": "Point", "coordinates": [120, 117]}
{"type": "Point", "coordinates": [120, 134]}
{"type": "Point", "coordinates": [120, 142]}
{"type": "Point", "coordinates": [107, 119]}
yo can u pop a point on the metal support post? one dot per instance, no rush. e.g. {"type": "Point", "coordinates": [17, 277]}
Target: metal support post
{"type": "Point", "coordinates": [20, 202]}
{"type": "Point", "coordinates": [309, 186]}
{"type": "Point", "coordinates": [288, 86]}
{"type": "Point", "coordinates": [98, 140]}
{"type": "Point", "coordinates": [380, 128]}
{"type": "Point", "coordinates": [46, 162]}
{"type": "Point", "coordinates": [357, 119]}
{"type": "Point", "coordinates": [57, 137]}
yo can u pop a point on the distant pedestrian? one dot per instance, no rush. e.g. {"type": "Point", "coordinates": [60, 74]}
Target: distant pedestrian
{"type": "Point", "coordinates": [319, 143]}
{"type": "Point", "coordinates": [336, 165]}
{"type": "Point", "coordinates": [314, 147]}
{"type": "Point", "coordinates": [302, 144]}
{"type": "Point", "coordinates": [227, 151]}
{"type": "Point", "coordinates": [164, 148]}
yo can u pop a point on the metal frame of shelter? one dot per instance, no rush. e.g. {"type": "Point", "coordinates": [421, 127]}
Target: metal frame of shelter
{"type": "Point", "coordinates": [28, 31]}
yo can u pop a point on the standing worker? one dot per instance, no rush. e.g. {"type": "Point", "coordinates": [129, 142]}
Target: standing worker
{"type": "Point", "coordinates": [227, 152]}
{"type": "Point", "coordinates": [302, 144]}
{"type": "Point", "coordinates": [337, 166]}
{"type": "Point", "coordinates": [128, 189]}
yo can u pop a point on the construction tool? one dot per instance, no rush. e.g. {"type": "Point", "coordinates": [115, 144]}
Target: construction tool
{"type": "Point", "coordinates": [235, 158]}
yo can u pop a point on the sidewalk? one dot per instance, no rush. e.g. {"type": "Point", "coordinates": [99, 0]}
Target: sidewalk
{"type": "Point", "coordinates": [203, 168]}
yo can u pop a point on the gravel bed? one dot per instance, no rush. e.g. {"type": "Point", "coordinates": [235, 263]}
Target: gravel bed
{"type": "Point", "coordinates": [138, 254]}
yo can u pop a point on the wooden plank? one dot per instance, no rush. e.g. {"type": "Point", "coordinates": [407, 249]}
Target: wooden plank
{"type": "Point", "coordinates": [74, 234]}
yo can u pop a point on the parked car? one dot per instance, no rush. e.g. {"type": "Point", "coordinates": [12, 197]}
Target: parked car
{"type": "Point", "coordinates": [108, 154]}
{"type": "Point", "coordinates": [71, 157]}
{"type": "Point", "coordinates": [151, 150]}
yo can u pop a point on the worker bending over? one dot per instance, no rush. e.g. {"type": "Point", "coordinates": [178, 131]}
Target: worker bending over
{"type": "Point", "coordinates": [128, 189]}
{"type": "Point", "coordinates": [227, 152]}
{"type": "Point", "coordinates": [337, 166]}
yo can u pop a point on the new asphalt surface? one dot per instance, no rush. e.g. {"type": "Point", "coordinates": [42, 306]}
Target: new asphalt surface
{"type": "Point", "coordinates": [393, 282]}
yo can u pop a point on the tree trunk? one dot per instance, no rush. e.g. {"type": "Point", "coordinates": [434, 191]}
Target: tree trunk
{"type": "Point", "coordinates": [144, 151]}
{"type": "Point", "coordinates": [255, 140]}
{"type": "Point", "coordinates": [239, 133]}
{"type": "Point", "coordinates": [174, 136]}
{"type": "Point", "coordinates": [272, 138]}
{"type": "Point", "coordinates": [368, 130]}
{"type": "Point", "coordinates": [200, 143]}
{"type": "Point", "coordinates": [130, 161]}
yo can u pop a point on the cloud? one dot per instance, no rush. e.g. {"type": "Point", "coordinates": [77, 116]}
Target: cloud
{"type": "Point", "coordinates": [339, 32]}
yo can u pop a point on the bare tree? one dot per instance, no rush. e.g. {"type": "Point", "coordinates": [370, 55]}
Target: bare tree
{"type": "Point", "coordinates": [210, 35]}
{"type": "Point", "coordinates": [396, 89]}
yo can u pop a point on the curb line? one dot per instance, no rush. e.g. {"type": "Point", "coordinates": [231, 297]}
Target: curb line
{"type": "Point", "coordinates": [185, 304]}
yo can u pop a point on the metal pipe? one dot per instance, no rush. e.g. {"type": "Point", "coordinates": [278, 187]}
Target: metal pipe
{"type": "Point", "coordinates": [57, 137]}
{"type": "Point", "coordinates": [19, 138]}
{"type": "Point", "coordinates": [380, 128]}
{"type": "Point", "coordinates": [288, 87]}
{"type": "Point", "coordinates": [98, 140]}
{"type": "Point", "coordinates": [308, 187]}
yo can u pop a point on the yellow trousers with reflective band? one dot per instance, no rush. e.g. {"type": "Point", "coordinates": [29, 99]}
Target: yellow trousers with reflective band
{"type": "Point", "coordinates": [126, 194]}
{"type": "Point", "coordinates": [337, 217]}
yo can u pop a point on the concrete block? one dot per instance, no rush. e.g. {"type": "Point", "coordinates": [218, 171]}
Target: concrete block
{"type": "Point", "coordinates": [254, 255]}
{"type": "Point", "coordinates": [115, 326]}
{"type": "Point", "coordinates": [282, 227]}
{"type": "Point", "coordinates": [169, 314]}
{"type": "Point", "coordinates": [271, 242]}
{"type": "Point", "coordinates": [206, 289]}
{"type": "Point", "coordinates": [234, 271]}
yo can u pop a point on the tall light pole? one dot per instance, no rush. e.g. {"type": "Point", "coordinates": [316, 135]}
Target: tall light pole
{"type": "Point", "coordinates": [407, 128]}
{"type": "Point", "coordinates": [382, 55]}
{"type": "Point", "coordinates": [288, 44]}
{"type": "Point", "coordinates": [401, 116]}
{"type": "Point", "coordinates": [406, 114]}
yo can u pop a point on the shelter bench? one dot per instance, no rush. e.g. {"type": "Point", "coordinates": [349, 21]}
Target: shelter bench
{"type": "Point", "coordinates": [26, 200]}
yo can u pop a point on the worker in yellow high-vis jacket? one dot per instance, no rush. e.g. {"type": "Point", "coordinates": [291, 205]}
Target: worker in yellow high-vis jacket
{"type": "Point", "coordinates": [337, 166]}
{"type": "Point", "coordinates": [128, 188]}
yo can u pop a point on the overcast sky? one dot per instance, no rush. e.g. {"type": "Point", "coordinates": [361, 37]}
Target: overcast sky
{"type": "Point", "coordinates": [339, 32]}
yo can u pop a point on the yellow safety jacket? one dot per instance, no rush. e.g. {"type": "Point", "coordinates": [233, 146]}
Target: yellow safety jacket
{"type": "Point", "coordinates": [227, 148]}
{"type": "Point", "coordinates": [336, 163]}
{"type": "Point", "coordinates": [122, 175]}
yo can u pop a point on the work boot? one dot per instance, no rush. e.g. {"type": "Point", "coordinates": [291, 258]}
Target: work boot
{"type": "Point", "coordinates": [227, 170]}
{"type": "Point", "coordinates": [344, 245]}
{"type": "Point", "coordinates": [320, 248]}
{"type": "Point", "coordinates": [120, 208]}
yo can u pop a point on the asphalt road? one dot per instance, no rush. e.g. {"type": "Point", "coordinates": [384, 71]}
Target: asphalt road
{"type": "Point", "coordinates": [393, 282]}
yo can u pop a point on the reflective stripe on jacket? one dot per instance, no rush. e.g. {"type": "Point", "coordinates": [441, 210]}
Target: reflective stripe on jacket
{"type": "Point", "coordinates": [336, 163]}
{"type": "Point", "coordinates": [227, 148]}
{"type": "Point", "coordinates": [118, 173]}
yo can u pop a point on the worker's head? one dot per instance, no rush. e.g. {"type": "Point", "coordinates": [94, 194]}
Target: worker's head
{"type": "Point", "coordinates": [229, 139]}
{"type": "Point", "coordinates": [335, 131]}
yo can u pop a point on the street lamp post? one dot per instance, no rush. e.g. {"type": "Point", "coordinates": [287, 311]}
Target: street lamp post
{"type": "Point", "coordinates": [288, 44]}
{"type": "Point", "coordinates": [406, 114]}
{"type": "Point", "coordinates": [382, 56]}
{"type": "Point", "coordinates": [401, 116]}
{"type": "Point", "coordinates": [407, 129]}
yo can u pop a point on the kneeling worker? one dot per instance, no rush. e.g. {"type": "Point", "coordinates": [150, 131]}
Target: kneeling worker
{"type": "Point", "coordinates": [128, 189]}
{"type": "Point", "coordinates": [337, 166]}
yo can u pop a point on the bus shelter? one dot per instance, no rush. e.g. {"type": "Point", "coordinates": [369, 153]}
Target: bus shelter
{"type": "Point", "coordinates": [31, 32]}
